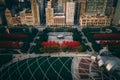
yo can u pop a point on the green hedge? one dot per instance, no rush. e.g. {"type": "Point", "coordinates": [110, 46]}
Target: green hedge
{"type": "Point", "coordinates": [89, 35]}
{"type": "Point", "coordinates": [43, 37]}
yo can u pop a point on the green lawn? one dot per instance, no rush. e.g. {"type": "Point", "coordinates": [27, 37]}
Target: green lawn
{"type": "Point", "coordinates": [5, 59]}
{"type": "Point", "coordinates": [39, 68]}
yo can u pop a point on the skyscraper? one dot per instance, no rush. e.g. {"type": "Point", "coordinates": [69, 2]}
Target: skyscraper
{"type": "Point", "coordinates": [9, 17]}
{"type": "Point", "coordinates": [93, 13]}
{"type": "Point", "coordinates": [43, 4]}
{"type": "Point", "coordinates": [82, 7]}
{"type": "Point", "coordinates": [29, 19]}
{"type": "Point", "coordinates": [35, 12]}
{"type": "Point", "coordinates": [70, 11]}
{"type": "Point", "coordinates": [77, 11]}
{"type": "Point", "coordinates": [116, 18]}
{"type": "Point", "coordinates": [96, 6]}
{"type": "Point", "coordinates": [22, 17]}
{"type": "Point", "coordinates": [60, 6]}
{"type": "Point", "coordinates": [65, 5]}
{"type": "Point", "coordinates": [49, 14]}
{"type": "Point", "coordinates": [0, 20]}
{"type": "Point", "coordinates": [109, 8]}
{"type": "Point", "coordinates": [21, 4]}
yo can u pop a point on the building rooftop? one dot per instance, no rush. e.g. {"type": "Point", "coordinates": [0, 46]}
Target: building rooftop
{"type": "Point", "coordinates": [28, 14]}
{"type": "Point", "coordinates": [59, 14]}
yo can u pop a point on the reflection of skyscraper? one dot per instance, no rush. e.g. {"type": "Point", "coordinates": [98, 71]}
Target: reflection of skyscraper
{"type": "Point", "coordinates": [49, 14]}
{"type": "Point", "coordinates": [70, 11]}
{"type": "Point", "coordinates": [35, 12]}
{"type": "Point", "coordinates": [8, 17]}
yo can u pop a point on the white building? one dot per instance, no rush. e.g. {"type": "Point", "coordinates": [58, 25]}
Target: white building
{"type": "Point", "coordinates": [70, 10]}
{"type": "Point", "coordinates": [49, 14]}
{"type": "Point", "coordinates": [22, 17]}
{"type": "Point", "coordinates": [59, 19]}
{"type": "Point", "coordinates": [29, 19]}
{"type": "Point", "coordinates": [94, 21]}
{"type": "Point", "coordinates": [8, 16]}
{"type": "Point", "coordinates": [35, 12]}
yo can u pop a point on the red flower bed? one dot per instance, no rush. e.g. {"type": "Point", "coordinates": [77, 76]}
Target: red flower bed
{"type": "Point", "coordinates": [71, 44]}
{"type": "Point", "coordinates": [10, 45]}
{"type": "Point", "coordinates": [14, 36]}
{"type": "Point", "coordinates": [104, 36]}
{"type": "Point", "coordinates": [50, 43]}
{"type": "Point", "coordinates": [109, 42]}
{"type": "Point", "coordinates": [52, 46]}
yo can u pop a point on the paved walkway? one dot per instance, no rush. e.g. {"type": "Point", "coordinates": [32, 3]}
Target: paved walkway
{"type": "Point", "coordinates": [53, 36]}
{"type": "Point", "coordinates": [88, 43]}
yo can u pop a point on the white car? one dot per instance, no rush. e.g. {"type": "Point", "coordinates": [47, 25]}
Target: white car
{"type": "Point", "coordinates": [60, 36]}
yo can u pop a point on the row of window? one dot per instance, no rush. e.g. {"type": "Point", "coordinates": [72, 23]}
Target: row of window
{"type": "Point", "coordinates": [108, 23]}
{"type": "Point", "coordinates": [95, 20]}
{"type": "Point", "coordinates": [96, 23]}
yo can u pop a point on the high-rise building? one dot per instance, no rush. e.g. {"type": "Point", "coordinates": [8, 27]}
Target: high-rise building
{"type": "Point", "coordinates": [49, 14]}
{"type": "Point", "coordinates": [82, 7]}
{"type": "Point", "coordinates": [29, 19]}
{"type": "Point", "coordinates": [54, 5]}
{"type": "Point", "coordinates": [9, 17]}
{"type": "Point", "coordinates": [35, 12]}
{"type": "Point", "coordinates": [92, 7]}
{"type": "Point", "coordinates": [16, 20]}
{"type": "Point", "coordinates": [60, 6]}
{"type": "Point", "coordinates": [22, 17]}
{"type": "Point", "coordinates": [21, 4]}
{"type": "Point", "coordinates": [94, 21]}
{"type": "Point", "coordinates": [109, 8]}
{"type": "Point", "coordinates": [64, 3]}
{"type": "Point", "coordinates": [70, 11]}
{"type": "Point", "coordinates": [95, 6]}
{"type": "Point", "coordinates": [116, 18]}
{"type": "Point", "coordinates": [59, 19]}
{"type": "Point", "coordinates": [77, 11]}
{"type": "Point", "coordinates": [93, 13]}
{"type": "Point", "coordinates": [0, 20]}
{"type": "Point", "coordinates": [43, 4]}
